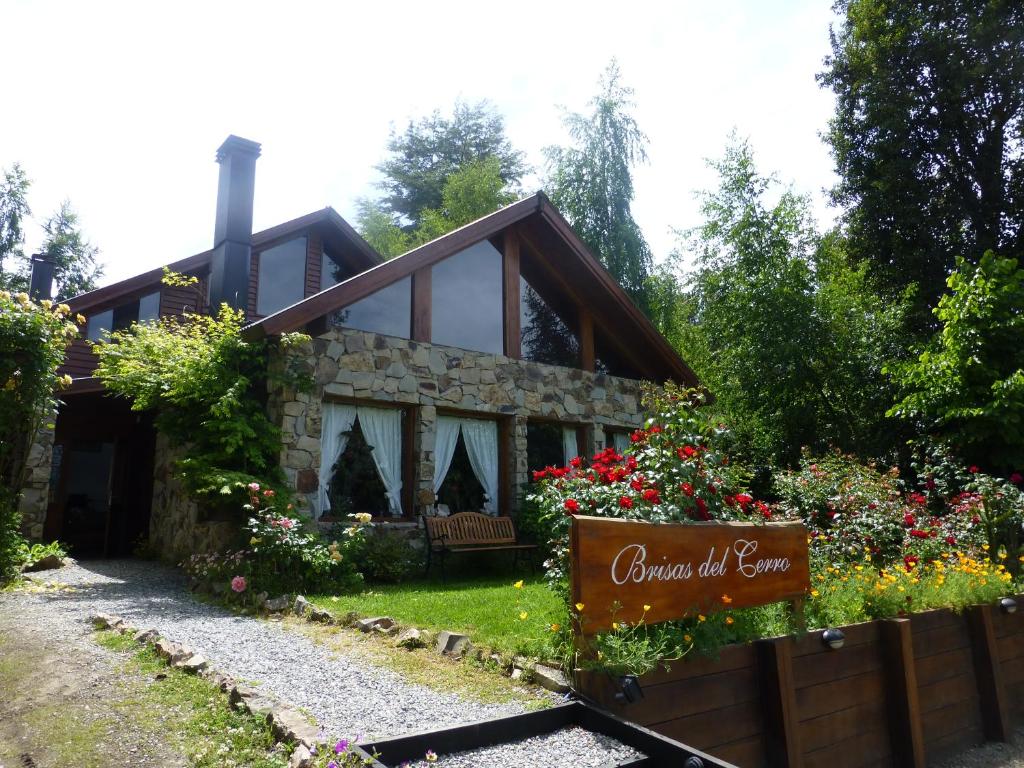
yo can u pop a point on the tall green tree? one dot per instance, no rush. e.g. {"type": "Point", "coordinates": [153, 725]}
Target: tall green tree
{"type": "Point", "coordinates": [927, 135]}
{"type": "Point", "coordinates": [424, 157]}
{"type": "Point", "coordinates": [14, 210]}
{"type": "Point", "coordinates": [76, 269]}
{"type": "Point", "coordinates": [786, 331]}
{"type": "Point", "coordinates": [591, 182]}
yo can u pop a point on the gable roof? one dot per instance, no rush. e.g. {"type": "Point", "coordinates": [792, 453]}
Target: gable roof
{"type": "Point", "coordinates": [544, 231]}
{"type": "Point", "coordinates": [327, 221]}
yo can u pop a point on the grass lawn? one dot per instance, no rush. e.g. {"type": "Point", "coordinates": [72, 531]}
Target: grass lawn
{"type": "Point", "coordinates": [488, 608]}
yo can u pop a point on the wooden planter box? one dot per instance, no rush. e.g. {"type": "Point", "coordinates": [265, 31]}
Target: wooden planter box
{"type": "Point", "coordinates": [903, 692]}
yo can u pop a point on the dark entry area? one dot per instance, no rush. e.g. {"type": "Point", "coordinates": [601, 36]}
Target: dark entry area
{"type": "Point", "coordinates": [102, 480]}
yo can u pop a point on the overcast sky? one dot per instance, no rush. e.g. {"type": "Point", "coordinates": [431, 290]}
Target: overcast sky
{"type": "Point", "coordinates": [120, 107]}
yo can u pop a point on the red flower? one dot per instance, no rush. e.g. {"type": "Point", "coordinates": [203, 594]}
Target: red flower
{"type": "Point", "coordinates": [909, 520]}
{"type": "Point", "coordinates": [744, 498]}
{"type": "Point", "coordinates": [764, 509]}
{"type": "Point", "coordinates": [919, 534]}
{"type": "Point", "coordinates": [268, 493]}
{"type": "Point", "coordinates": [638, 437]}
{"type": "Point", "coordinates": [930, 483]}
{"type": "Point", "coordinates": [950, 540]}
{"type": "Point", "coordinates": [686, 452]}
{"type": "Point", "coordinates": [651, 496]}
{"type": "Point", "coordinates": [702, 510]}
{"type": "Point", "coordinates": [631, 463]}
{"type": "Point", "coordinates": [637, 483]}
{"type": "Point", "coordinates": [625, 502]}
{"type": "Point", "coordinates": [576, 462]}
{"type": "Point", "coordinates": [686, 488]}
{"type": "Point", "coordinates": [973, 469]}
{"type": "Point", "coordinates": [872, 505]}
{"type": "Point", "coordinates": [712, 489]}
{"type": "Point", "coordinates": [572, 506]}
{"type": "Point", "coordinates": [909, 562]}
{"type": "Point", "coordinates": [730, 501]}
{"type": "Point", "coordinates": [1016, 478]}
{"type": "Point", "coordinates": [975, 520]}
{"type": "Point", "coordinates": [539, 474]}
{"type": "Point", "coordinates": [917, 498]}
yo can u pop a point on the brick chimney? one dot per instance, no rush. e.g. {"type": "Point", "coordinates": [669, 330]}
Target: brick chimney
{"type": "Point", "coordinates": [232, 233]}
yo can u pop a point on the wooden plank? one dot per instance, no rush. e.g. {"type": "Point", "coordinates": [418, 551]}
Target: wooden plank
{"type": "Point", "coordinates": [672, 701]}
{"type": "Point", "coordinates": [868, 748]}
{"type": "Point", "coordinates": [711, 728]}
{"type": "Point", "coordinates": [842, 724]}
{"type": "Point", "coordinates": [929, 620]}
{"type": "Point", "coordinates": [995, 710]}
{"type": "Point", "coordinates": [932, 669]}
{"type": "Point", "coordinates": [510, 290]}
{"type": "Point", "coordinates": [957, 716]}
{"type": "Point", "coordinates": [421, 305]}
{"type": "Point", "coordinates": [745, 752]}
{"type": "Point", "coordinates": [941, 640]}
{"type": "Point", "coordinates": [855, 634]}
{"type": "Point", "coordinates": [828, 666]}
{"type": "Point", "coordinates": [954, 742]}
{"type": "Point", "coordinates": [817, 700]}
{"type": "Point", "coordinates": [587, 356]}
{"type": "Point", "coordinates": [904, 707]}
{"type": "Point", "coordinates": [782, 730]}
{"type": "Point", "coordinates": [1010, 647]}
{"type": "Point", "coordinates": [943, 693]}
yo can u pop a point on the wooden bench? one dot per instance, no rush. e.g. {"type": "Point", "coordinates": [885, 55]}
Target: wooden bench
{"type": "Point", "coordinates": [471, 532]}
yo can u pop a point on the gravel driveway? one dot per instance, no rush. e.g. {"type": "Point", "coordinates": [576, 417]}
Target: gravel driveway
{"type": "Point", "coordinates": [346, 694]}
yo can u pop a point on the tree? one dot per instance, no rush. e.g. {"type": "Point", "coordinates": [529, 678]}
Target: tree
{"type": "Point", "coordinates": [75, 268]}
{"type": "Point", "coordinates": [927, 135]}
{"type": "Point", "coordinates": [785, 331]}
{"type": "Point", "coordinates": [591, 183]}
{"type": "Point", "coordinates": [431, 150]}
{"type": "Point", "coordinates": [13, 211]}
{"type": "Point", "coordinates": [967, 386]}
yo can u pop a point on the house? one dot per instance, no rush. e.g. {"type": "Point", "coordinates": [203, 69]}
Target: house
{"type": "Point", "coordinates": [441, 376]}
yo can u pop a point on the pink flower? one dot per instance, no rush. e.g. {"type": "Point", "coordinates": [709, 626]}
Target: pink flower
{"type": "Point", "coordinates": [1016, 478]}
{"type": "Point", "coordinates": [254, 486]}
{"type": "Point", "coordinates": [286, 523]}
{"type": "Point", "coordinates": [238, 584]}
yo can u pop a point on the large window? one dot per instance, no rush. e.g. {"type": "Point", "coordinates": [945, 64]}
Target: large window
{"type": "Point", "coordinates": [467, 300]}
{"type": "Point", "coordinates": [122, 316]}
{"type": "Point", "coordinates": [98, 323]}
{"type": "Point", "coordinates": [388, 311]}
{"type": "Point", "coordinates": [466, 461]}
{"type": "Point", "coordinates": [550, 444]}
{"type": "Point", "coordinates": [149, 307]}
{"type": "Point", "coordinates": [545, 337]}
{"type": "Point", "coordinates": [282, 276]}
{"type": "Point", "coordinates": [331, 272]}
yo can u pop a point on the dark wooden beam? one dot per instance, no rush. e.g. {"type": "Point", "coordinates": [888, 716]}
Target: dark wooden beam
{"type": "Point", "coordinates": [587, 356]}
{"type": "Point", "coordinates": [410, 416]}
{"type": "Point", "coordinates": [510, 285]}
{"type": "Point", "coordinates": [995, 712]}
{"type": "Point", "coordinates": [901, 693]}
{"type": "Point", "coordinates": [782, 726]}
{"type": "Point", "coordinates": [421, 304]}
{"type": "Point", "coordinates": [506, 459]}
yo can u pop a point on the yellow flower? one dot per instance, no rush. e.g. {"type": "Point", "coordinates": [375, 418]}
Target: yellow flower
{"type": "Point", "coordinates": [814, 593]}
{"type": "Point", "coordinates": [687, 638]}
{"type": "Point", "coordinates": [726, 599]}
{"type": "Point", "coordinates": [518, 584]}
{"type": "Point", "coordinates": [64, 309]}
{"type": "Point", "coordinates": [555, 627]}
{"type": "Point", "coordinates": [701, 617]}
{"type": "Point", "coordinates": [615, 625]}
{"type": "Point", "coordinates": [579, 607]}
{"type": "Point", "coordinates": [523, 615]}
{"type": "Point", "coordinates": [336, 556]}
{"type": "Point", "coordinates": [80, 318]}
{"type": "Point", "coordinates": [646, 608]}
{"type": "Point", "coordinates": [362, 517]}
{"type": "Point", "coordinates": [253, 541]}
{"type": "Point", "coordinates": [728, 619]}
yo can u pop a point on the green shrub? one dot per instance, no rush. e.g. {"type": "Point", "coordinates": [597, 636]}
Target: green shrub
{"type": "Point", "coordinates": [385, 556]}
{"type": "Point", "coordinates": [30, 555]}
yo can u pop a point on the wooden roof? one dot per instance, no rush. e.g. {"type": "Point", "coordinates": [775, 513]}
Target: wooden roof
{"type": "Point", "coordinates": [569, 264]}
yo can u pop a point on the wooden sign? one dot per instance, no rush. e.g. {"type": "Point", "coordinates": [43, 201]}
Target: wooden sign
{"type": "Point", "coordinates": [681, 569]}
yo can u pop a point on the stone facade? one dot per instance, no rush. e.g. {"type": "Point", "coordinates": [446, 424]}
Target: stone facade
{"type": "Point", "coordinates": [351, 364]}
{"type": "Point", "coordinates": [35, 495]}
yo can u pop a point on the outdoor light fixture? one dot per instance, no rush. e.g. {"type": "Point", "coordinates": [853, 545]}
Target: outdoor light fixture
{"type": "Point", "coordinates": [693, 762]}
{"type": "Point", "coordinates": [833, 638]}
{"type": "Point", "coordinates": [1008, 605]}
{"type": "Point", "coordinates": [630, 691]}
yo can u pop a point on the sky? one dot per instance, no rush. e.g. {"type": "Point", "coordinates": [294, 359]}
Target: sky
{"type": "Point", "coordinates": [120, 107]}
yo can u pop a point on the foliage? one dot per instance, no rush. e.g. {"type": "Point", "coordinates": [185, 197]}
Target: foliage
{"type": "Point", "coordinates": [281, 557]}
{"type": "Point", "coordinates": [385, 556]}
{"type": "Point", "coordinates": [786, 331]}
{"type": "Point", "coordinates": [433, 149]}
{"type": "Point", "coordinates": [14, 210]}
{"type": "Point", "coordinates": [967, 386]}
{"type": "Point", "coordinates": [926, 134]}
{"type": "Point", "coordinates": [35, 553]}
{"type": "Point", "coordinates": [33, 337]}
{"type": "Point", "coordinates": [591, 182]}
{"type": "Point", "coordinates": [203, 379]}
{"type": "Point", "coordinates": [75, 267]}
{"type": "Point", "coordinates": [342, 754]}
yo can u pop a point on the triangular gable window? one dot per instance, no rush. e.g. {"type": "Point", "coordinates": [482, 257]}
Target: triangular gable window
{"type": "Point", "coordinates": [466, 304]}
{"type": "Point", "coordinates": [387, 311]}
{"type": "Point", "coordinates": [544, 336]}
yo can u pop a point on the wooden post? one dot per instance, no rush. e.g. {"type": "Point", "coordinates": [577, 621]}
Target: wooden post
{"type": "Point", "coordinates": [422, 297]}
{"type": "Point", "coordinates": [781, 726]}
{"type": "Point", "coordinates": [995, 714]}
{"type": "Point", "coordinates": [901, 689]}
{"type": "Point", "coordinates": [587, 355]}
{"type": "Point", "coordinates": [510, 283]}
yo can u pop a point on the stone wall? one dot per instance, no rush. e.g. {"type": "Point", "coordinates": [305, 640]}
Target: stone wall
{"type": "Point", "coordinates": [354, 364]}
{"type": "Point", "coordinates": [35, 495]}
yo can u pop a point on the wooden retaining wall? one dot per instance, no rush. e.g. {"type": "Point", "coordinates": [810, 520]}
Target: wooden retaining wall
{"type": "Point", "coordinates": [900, 692]}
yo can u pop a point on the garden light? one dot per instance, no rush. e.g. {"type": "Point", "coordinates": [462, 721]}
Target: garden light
{"type": "Point", "coordinates": [1008, 605]}
{"type": "Point", "coordinates": [630, 691]}
{"type": "Point", "coordinates": [833, 638]}
{"type": "Point", "coordinates": [693, 762]}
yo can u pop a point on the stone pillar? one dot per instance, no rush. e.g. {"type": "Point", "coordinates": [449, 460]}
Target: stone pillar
{"type": "Point", "coordinates": [35, 494]}
{"type": "Point", "coordinates": [520, 473]}
{"type": "Point", "coordinates": [424, 439]}
{"type": "Point", "coordinates": [599, 439]}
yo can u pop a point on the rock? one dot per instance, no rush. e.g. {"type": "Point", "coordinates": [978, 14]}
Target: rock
{"type": "Point", "coordinates": [277, 604]}
{"type": "Point", "coordinates": [222, 680]}
{"type": "Point", "coordinates": [289, 725]}
{"type": "Point", "coordinates": [146, 636]}
{"type": "Point", "coordinates": [47, 563]}
{"type": "Point", "coordinates": [378, 622]}
{"type": "Point", "coordinates": [517, 673]}
{"type": "Point", "coordinates": [194, 664]}
{"type": "Point", "coordinates": [410, 638]}
{"type": "Point", "coordinates": [301, 606]}
{"type": "Point", "coordinates": [386, 631]}
{"type": "Point", "coordinates": [321, 615]}
{"type": "Point", "coordinates": [549, 677]}
{"type": "Point", "coordinates": [349, 619]}
{"type": "Point", "coordinates": [167, 648]}
{"type": "Point", "coordinates": [452, 643]}
{"type": "Point", "coordinates": [252, 700]}
{"type": "Point", "coordinates": [102, 620]}
{"type": "Point", "coordinates": [301, 757]}
{"type": "Point", "coordinates": [127, 629]}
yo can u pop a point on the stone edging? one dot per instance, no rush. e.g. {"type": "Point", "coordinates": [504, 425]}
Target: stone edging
{"type": "Point", "coordinates": [288, 725]}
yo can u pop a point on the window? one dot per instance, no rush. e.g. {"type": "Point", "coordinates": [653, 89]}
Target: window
{"type": "Point", "coordinates": [387, 311]}
{"type": "Point", "coordinates": [544, 335]}
{"type": "Point", "coordinates": [331, 272]}
{"type": "Point", "coordinates": [355, 486]}
{"type": "Point", "coordinates": [550, 444]}
{"type": "Point", "coordinates": [466, 460]}
{"type": "Point", "coordinates": [617, 438]}
{"type": "Point", "coordinates": [461, 491]}
{"type": "Point", "coordinates": [467, 300]}
{"type": "Point", "coordinates": [149, 307]}
{"type": "Point", "coordinates": [282, 276]}
{"type": "Point", "coordinates": [104, 321]}
{"type": "Point", "coordinates": [609, 361]}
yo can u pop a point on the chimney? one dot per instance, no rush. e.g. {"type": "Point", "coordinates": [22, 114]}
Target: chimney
{"type": "Point", "coordinates": [40, 285]}
{"type": "Point", "coordinates": [232, 233]}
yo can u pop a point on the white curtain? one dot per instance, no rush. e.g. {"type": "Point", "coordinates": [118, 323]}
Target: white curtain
{"type": "Point", "coordinates": [336, 422]}
{"type": "Point", "coordinates": [446, 439]}
{"type": "Point", "coordinates": [620, 441]}
{"type": "Point", "coordinates": [382, 429]}
{"type": "Point", "coordinates": [482, 445]}
{"type": "Point", "coordinates": [569, 446]}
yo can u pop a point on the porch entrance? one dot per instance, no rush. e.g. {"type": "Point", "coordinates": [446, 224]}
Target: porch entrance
{"type": "Point", "coordinates": [102, 476]}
